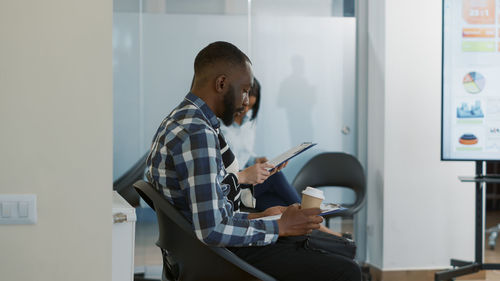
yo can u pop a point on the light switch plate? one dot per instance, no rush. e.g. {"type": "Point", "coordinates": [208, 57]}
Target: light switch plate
{"type": "Point", "coordinates": [18, 209]}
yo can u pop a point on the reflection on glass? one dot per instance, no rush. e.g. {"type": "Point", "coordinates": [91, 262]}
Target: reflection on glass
{"type": "Point", "coordinates": [296, 94]}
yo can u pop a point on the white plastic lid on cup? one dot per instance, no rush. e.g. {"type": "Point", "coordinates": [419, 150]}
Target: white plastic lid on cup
{"type": "Point", "coordinates": [313, 192]}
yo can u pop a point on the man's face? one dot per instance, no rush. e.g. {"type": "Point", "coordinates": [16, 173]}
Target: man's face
{"type": "Point", "coordinates": [236, 98]}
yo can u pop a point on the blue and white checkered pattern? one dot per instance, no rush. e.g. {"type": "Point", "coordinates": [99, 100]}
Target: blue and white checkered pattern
{"type": "Point", "coordinates": [185, 164]}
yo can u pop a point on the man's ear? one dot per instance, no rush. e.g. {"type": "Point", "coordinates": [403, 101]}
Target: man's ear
{"type": "Point", "coordinates": [221, 83]}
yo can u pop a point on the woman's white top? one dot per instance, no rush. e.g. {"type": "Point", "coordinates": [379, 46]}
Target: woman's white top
{"type": "Point", "coordinates": [241, 140]}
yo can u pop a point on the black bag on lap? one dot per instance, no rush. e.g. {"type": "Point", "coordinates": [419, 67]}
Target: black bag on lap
{"type": "Point", "coordinates": [328, 243]}
{"type": "Point", "coordinates": [324, 242]}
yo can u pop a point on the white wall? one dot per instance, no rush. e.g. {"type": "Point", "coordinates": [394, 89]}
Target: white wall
{"type": "Point", "coordinates": [419, 214]}
{"type": "Point", "coordinates": [56, 137]}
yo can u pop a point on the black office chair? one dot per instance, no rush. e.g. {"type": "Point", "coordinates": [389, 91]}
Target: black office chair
{"type": "Point", "coordinates": [334, 169]}
{"type": "Point", "coordinates": [185, 257]}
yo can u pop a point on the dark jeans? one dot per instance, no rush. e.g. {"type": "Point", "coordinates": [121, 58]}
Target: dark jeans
{"type": "Point", "coordinates": [275, 191]}
{"type": "Point", "coordinates": [288, 259]}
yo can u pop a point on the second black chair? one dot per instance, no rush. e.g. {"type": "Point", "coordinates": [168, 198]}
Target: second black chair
{"type": "Point", "coordinates": [335, 169]}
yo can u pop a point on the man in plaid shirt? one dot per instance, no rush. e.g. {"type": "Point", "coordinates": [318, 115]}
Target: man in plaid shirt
{"type": "Point", "coordinates": [186, 165]}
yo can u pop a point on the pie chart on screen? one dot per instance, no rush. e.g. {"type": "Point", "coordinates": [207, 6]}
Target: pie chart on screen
{"type": "Point", "coordinates": [474, 82]}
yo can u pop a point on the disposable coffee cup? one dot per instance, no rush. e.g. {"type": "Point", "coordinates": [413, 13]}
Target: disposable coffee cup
{"type": "Point", "coordinates": [312, 198]}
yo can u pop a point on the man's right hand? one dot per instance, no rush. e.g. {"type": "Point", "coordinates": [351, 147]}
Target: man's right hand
{"type": "Point", "coordinates": [296, 221]}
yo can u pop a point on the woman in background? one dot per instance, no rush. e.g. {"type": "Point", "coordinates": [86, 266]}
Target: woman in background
{"type": "Point", "coordinates": [240, 136]}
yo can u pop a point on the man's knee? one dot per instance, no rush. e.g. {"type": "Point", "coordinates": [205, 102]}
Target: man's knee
{"type": "Point", "coordinates": [351, 271]}
{"type": "Point", "coordinates": [339, 268]}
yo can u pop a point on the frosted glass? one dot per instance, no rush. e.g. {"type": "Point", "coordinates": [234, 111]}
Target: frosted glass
{"type": "Point", "coordinates": [169, 54]}
{"type": "Point", "coordinates": [306, 66]}
{"type": "Point", "coordinates": [126, 88]}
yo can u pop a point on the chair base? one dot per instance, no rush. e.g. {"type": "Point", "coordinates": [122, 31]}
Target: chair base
{"type": "Point", "coordinates": [461, 268]}
{"type": "Point", "coordinates": [365, 273]}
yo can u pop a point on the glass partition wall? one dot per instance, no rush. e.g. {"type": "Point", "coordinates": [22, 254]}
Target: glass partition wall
{"type": "Point", "coordinates": [302, 51]}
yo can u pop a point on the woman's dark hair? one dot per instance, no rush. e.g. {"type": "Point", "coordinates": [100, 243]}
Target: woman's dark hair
{"type": "Point", "coordinates": [255, 92]}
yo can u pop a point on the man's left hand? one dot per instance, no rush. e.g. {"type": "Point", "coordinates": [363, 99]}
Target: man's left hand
{"type": "Point", "coordinates": [276, 210]}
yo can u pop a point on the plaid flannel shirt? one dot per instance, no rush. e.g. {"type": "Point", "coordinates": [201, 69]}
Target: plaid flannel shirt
{"type": "Point", "coordinates": [185, 164]}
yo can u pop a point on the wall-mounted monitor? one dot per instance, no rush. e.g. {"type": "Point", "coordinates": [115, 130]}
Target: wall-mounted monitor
{"type": "Point", "coordinates": [470, 118]}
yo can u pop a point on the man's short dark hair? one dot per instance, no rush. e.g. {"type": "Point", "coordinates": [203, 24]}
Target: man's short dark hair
{"type": "Point", "coordinates": [219, 51]}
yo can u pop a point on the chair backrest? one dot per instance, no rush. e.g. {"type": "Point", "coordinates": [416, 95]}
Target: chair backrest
{"type": "Point", "coordinates": [334, 169]}
{"type": "Point", "coordinates": [123, 185]}
{"type": "Point", "coordinates": [196, 260]}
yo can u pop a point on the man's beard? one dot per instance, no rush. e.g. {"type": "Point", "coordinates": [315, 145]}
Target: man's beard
{"type": "Point", "coordinates": [229, 107]}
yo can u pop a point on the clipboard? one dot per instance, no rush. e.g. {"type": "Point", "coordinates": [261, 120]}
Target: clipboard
{"type": "Point", "coordinates": [326, 209]}
{"type": "Point", "coordinates": [289, 154]}
{"type": "Point", "coordinates": [331, 208]}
